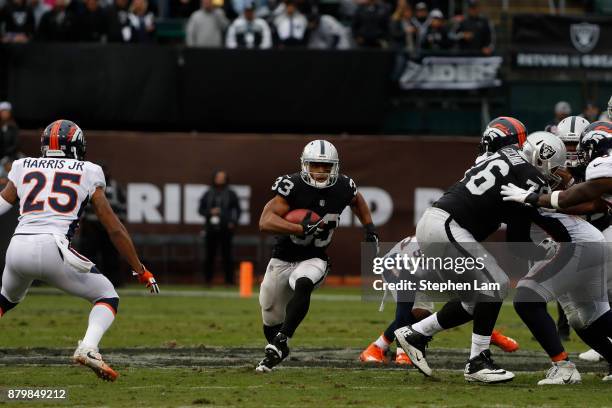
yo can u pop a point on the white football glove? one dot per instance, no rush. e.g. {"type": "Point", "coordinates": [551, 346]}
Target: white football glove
{"type": "Point", "coordinates": [510, 192]}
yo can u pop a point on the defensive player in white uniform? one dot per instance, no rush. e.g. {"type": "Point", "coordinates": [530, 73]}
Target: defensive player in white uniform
{"type": "Point", "coordinates": [594, 148]}
{"type": "Point", "coordinates": [52, 192]}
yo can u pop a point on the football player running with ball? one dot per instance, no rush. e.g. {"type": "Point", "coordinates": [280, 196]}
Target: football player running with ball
{"type": "Point", "coordinates": [299, 261]}
{"type": "Point", "coordinates": [52, 192]}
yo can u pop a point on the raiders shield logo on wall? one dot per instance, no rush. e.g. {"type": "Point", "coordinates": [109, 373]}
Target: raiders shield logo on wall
{"type": "Point", "coordinates": [584, 36]}
{"type": "Point", "coordinates": [546, 152]}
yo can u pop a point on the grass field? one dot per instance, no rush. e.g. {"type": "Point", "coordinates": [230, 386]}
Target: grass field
{"type": "Point", "coordinates": [338, 320]}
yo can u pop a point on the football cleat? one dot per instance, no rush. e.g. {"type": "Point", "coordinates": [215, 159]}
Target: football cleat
{"type": "Point", "coordinates": [562, 372]}
{"type": "Point", "coordinates": [590, 355]}
{"type": "Point", "coordinates": [275, 352]}
{"type": "Point", "coordinates": [414, 344]}
{"type": "Point", "coordinates": [507, 344]}
{"type": "Point", "coordinates": [90, 357]}
{"type": "Point", "coordinates": [373, 354]}
{"type": "Point", "coordinates": [482, 369]}
{"type": "Point", "coordinates": [401, 358]}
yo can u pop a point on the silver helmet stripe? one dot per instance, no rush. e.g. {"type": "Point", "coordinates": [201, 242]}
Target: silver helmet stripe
{"type": "Point", "coordinates": [573, 125]}
{"type": "Point", "coordinates": [322, 147]}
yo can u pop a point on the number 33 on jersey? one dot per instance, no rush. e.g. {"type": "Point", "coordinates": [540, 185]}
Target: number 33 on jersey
{"type": "Point", "coordinates": [53, 193]}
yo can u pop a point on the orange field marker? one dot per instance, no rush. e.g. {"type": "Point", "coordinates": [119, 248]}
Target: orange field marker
{"type": "Point", "coordinates": [246, 279]}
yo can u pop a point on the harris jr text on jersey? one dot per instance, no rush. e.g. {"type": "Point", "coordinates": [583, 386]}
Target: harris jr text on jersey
{"type": "Point", "coordinates": [56, 164]}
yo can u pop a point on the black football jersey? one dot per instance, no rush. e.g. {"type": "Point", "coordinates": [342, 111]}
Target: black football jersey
{"type": "Point", "coordinates": [475, 201]}
{"type": "Point", "coordinates": [326, 202]}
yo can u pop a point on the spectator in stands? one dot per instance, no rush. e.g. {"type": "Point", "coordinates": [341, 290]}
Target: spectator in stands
{"type": "Point", "coordinates": [474, 33]}
{"type": "Point", "coordinates": [249, 31]}
{"type": "Point", "coordinates": [290, 26]}
{"type": "Point", "coordinates": [221, 210]}
{"type": "Point", "coordinates": [142, 22]}
{"type": "Point", "coordinates": [94, 241]}
{"type": "Point", "coordinates": [562, 110]}
{"type": "Point", "coordinates": [93, 23]}
{"type": "Point", "coordinates": [371, 24]}
{"type": "Point", "coordinates": [436, 36]}
{"type": "Point", "coordinates": [9, 132]}
{"type": "Point", "coordinates": [237, 7]}
{"type": "Point", "coordinates": [58, 24]}
{"type": "Point", "coordinates": [591, 112]}
{"type": "Point", "coordinates": [18, 20]}
{"type": "Point", "coordinates": [119, 29]}
{"type": "Point", "coordinates": [421, 20]}
{"type": "Point", "coordinates": [325, 32]}
{"type": "Point", "coordinates": [206, 26]}
{"type": "Point", "coordinates": [39, 8]}
{"type": "Point", "coordinates": [402, 31]}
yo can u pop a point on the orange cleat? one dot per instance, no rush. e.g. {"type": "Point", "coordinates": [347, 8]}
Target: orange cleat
{"type": "Point", "coordinates": [90, 357]}
{"type": "Point", "coordinates": [401, 358]}
{"type": "Point", "coordinates": [373, 354]}
{"type": "Point", "coordinates": [507, 344]}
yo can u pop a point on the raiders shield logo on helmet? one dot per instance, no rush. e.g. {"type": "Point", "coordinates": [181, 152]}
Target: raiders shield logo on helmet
{"type": "Point", "coordinates": [546, 152]}
{"type": "Point", "coordinates": [584, 36]}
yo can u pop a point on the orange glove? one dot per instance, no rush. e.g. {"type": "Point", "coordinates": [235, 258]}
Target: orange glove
{"type": "Point", "coordinates": [148, 279]}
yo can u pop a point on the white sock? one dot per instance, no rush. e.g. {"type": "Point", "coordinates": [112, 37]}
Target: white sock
{"type": "Point", "coordinates": [428, 326]}
{"type": "Point", "coordinates": [100, 319]}
{"type": "Point", "coordinates": [479, 344]}
{"type": "Point", "coordinates": [400, 351]}
{"type": "Point", "coordinates": [382, 342]}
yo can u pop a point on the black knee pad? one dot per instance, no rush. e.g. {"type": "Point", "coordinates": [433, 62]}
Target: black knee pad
{"type": "Point", "coordinates": [112, 302]}
{"type": "Point", "coordinates": [5, 305]}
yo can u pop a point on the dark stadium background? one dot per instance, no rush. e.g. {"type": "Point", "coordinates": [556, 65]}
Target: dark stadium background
{"type": "Point", "coordinates": [167, 114]}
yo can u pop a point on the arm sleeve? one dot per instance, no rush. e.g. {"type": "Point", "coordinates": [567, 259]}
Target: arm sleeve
{"type": "Point", "coordinates": [15, 172]}
{"type": "Point", "coordinates": [97, 179]}
{"type": "Point", "coordinates": [599, 168]}
{"type": "Point", "coordinates": [285, 187]}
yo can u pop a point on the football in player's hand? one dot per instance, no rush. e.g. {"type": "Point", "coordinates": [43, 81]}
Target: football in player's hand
{"type": "Point", "coordinates": [296, 216]}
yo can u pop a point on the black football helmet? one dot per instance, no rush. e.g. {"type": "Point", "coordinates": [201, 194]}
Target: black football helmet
{"type": "Point", "coordinates": [596, 142]}
{"type": "Point", "coordinates": [501, 132]}
{"type": "Point", "coordinates": [63, 138]}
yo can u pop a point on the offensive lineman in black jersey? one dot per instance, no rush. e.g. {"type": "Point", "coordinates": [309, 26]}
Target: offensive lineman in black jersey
{"type": "Point", "coordinates": [468, 213]}
{"type": "Point", "coordinates": [299, 261]}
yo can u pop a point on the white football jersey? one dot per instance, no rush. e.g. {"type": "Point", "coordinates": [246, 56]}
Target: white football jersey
{"type": "Point", "coordinates": [599, 168]}
{"type": "Point", "coordinates": [53, 193]}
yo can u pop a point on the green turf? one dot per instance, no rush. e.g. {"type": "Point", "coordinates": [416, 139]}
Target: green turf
{"type": "Point", "coordinates": [58, 321]}
{"type": "Point", "coordinates": [317, 387]}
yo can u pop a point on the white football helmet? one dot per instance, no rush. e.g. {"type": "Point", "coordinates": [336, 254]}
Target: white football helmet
{"type": "Point", "coordinates": [320, 151]}
{"type": "Point", "coordinates": [547, 153]}
{"type": "Point", "coordinates": [569, 131]}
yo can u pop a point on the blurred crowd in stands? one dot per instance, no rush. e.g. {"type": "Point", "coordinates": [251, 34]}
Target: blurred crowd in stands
{"type": "Point", "coordinates": [396, 24]}
{"type": "Point", "coordinates": [9, 140]}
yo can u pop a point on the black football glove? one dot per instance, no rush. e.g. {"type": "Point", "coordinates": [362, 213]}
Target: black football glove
{"type": "Point", "coordinates": [308, 225]}
{"type": "Point", "coordinates": [371, 235]}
